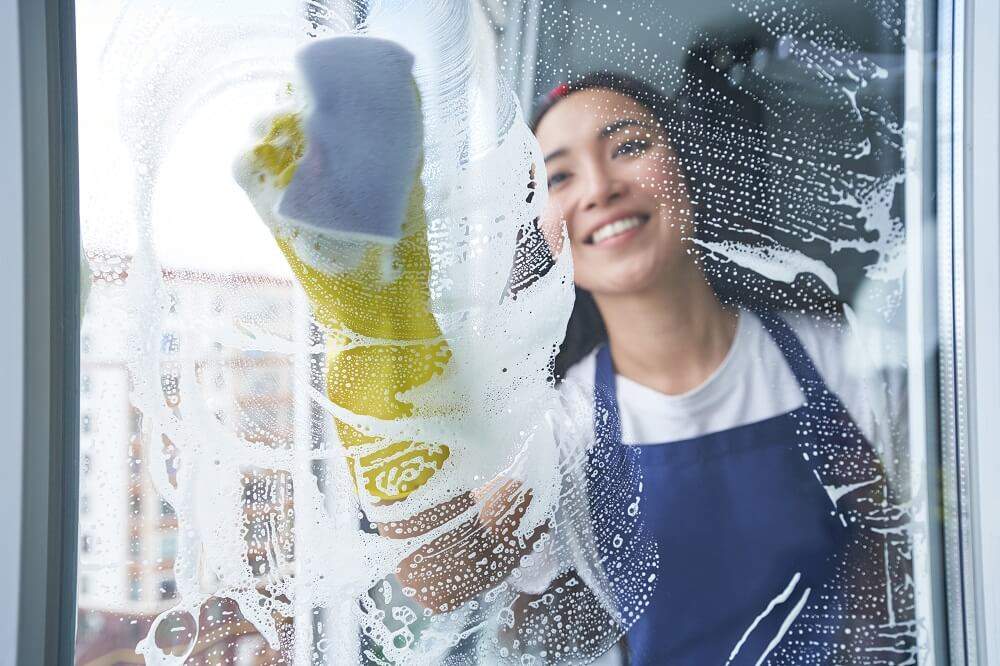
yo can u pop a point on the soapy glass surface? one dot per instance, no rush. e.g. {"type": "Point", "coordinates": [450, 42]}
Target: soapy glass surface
{"type": "Point", "coordinates": [271, 469]}
{"type": "Point", "coordinates": [422, 433]}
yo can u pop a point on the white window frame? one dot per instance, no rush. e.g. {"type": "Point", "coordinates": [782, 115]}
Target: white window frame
{"type": "Point", "coordinates": [12, 304]}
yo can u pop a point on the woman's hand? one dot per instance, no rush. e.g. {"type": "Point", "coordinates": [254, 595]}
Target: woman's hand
{"type": "Point", "coordinates": [473, 557]}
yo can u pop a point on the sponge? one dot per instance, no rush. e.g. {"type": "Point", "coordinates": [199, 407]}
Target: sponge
{"type": "Point", "coordinates": [365, 139]}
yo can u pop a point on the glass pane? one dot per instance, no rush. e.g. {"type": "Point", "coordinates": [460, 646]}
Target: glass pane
{"type": "Point", "coordinates": [507, 332]}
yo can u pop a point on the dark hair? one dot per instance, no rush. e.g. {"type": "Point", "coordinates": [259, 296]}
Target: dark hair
{"type": "Point", "coordinates": [664, 109]}
{"type": "Point", "coordinates": [654, 100]}
{"type": "Point", "coordinates": [586, 330]}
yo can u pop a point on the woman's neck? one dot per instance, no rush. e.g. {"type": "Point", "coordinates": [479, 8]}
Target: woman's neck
{"type": "Point", "coordinates": [670, 338]}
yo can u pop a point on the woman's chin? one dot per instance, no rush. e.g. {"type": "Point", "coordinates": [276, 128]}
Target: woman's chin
{"type": "Point", "coordinates": [628, 277]}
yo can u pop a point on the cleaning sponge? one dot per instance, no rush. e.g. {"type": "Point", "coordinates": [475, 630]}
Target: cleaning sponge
{"type": "Point", "coordinates": [365, 139]}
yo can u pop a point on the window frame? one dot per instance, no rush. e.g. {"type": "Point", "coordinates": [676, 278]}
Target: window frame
{"type": "Point", "coordinates": [51, 307]}
{"type": "Point", "coordinates": [46, 408]}
{"type": "Point", "coordinates": [968, 210]}
{"type": "Point", "coordinates": [983, 275]}
{"type": "Point", "coordinates": [12, 304]}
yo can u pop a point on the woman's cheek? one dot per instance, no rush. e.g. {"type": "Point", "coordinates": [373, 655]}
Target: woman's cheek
{"type": "Point", "coordinates": [551, 224]}
{"type": "Point", "coordinates": [583, 272]}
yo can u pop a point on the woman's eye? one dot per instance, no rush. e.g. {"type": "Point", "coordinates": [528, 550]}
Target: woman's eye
{"type": "Point", "coordinates": [635, 147]}
{"type": "Point", "coordinates": [557, 178]}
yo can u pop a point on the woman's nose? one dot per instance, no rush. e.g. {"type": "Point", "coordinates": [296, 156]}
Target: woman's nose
{"type": "Point", "coordinates": [603, 187]}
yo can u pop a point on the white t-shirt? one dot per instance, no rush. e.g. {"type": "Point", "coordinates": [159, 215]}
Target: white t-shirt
{"type": "Point", "coordinates": [754, 383]}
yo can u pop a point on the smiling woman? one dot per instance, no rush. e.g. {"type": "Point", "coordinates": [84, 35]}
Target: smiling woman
{"type": "Point", "coordinates": [747, 427]}
{"type": "Point", "coordinates": [621, 155]}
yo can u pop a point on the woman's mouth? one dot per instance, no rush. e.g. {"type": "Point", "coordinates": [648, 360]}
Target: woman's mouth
{"type": "Point", "coordinates": [616, 229]}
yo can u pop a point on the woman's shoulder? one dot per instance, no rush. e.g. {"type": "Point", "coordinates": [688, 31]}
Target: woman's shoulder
{"type": "Point", "coordinates": [838, 351]}
{"type": "Point", "coordinates": [825, 339]}
{"type": "Point", "coordinates": [872, 389]}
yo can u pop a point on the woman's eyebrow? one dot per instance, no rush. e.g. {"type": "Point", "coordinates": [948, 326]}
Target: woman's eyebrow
{"type": "Point", "coordinates": [555, 153]}
{"type": "Point", "coordinates": [619, 125]}
{"type": "Point", "coordinates": [605, 132]}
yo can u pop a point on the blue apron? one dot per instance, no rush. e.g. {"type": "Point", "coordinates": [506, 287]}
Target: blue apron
{"type": "Point", "coordinates": [759, 562]}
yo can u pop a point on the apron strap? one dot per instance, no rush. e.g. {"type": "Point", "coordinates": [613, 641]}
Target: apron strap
{"type": "Point", "coordinates": [798, 359]}
{"type": "Point", "coordinates": [604, 374]}
{"type": "Point", "coordinates": [607, 421]}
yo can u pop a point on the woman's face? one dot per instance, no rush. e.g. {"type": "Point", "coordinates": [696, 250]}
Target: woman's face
{"type": "Point", "coordinates": [616, 182]}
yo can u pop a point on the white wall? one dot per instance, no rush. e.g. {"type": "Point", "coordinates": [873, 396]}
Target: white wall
{"type": "Point", "coordinates": [12, 330]}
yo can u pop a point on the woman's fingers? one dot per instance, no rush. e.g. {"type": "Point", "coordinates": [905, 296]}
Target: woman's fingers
{"type": "Point", "coordinates": [476, 554]}
{"type": "Point", "coordinates": [506, 504]}
{"type": "Point", "coordinates": [498, 497]}
{"type": "Point", "coordinates": [428, 519]}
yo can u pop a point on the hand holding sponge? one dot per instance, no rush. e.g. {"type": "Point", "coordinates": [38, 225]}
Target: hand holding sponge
{"type": "Point", "coordinates": [338, 184]}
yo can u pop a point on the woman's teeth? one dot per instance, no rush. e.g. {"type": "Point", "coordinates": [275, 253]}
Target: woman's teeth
{"type": "Point", "coordinates": [616, 228]}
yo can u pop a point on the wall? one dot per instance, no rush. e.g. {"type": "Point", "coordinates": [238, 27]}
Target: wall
{"type": "Point", "coordinates": [12, 331]}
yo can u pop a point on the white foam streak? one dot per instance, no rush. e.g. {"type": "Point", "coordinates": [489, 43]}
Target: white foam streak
{"type": "Point", "coordinates": [792, 615]}
{"type": "Point", "coordinates": [775, 262]}
{"type": "Point", "coordinates": [771, 605]}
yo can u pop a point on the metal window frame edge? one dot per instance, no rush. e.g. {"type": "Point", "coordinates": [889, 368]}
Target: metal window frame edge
{"type": "Point", "coordinates": [981, 187]}
{"type": "Point", "coordinates": [968, 210]}
{"type": "Point", "coordinates": [47, 594]}
{"type": "Point", "coordinates": [923, 397]}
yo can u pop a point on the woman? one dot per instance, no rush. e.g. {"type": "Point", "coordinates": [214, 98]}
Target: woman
{"type": "Point", "coordinates": [778, 536]}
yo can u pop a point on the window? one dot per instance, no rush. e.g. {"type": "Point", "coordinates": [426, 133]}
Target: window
{"type": "Point", "coordinates": [135, 422]}
{"type": "Point", "coordinates": [168, 589]}
{"type": "Point", "coordinates": [135, 589]}
{"type": "Point", "coordinates": [168, 546]}
{"type": "Point", "coordinates": [169, 344]}
{"type": "Point", "coordinates": [787, 166]}
{"type": "Point", "coordinates": [135, 546]}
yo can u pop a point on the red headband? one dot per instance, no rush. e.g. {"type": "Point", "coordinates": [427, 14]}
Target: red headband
{"type": "Point", "coordinates": [559, 91]}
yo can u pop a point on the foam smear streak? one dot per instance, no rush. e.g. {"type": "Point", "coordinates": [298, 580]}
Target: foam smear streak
{"type": "Point", "coordinates": [863, 196]}
{"type": "Point", "coordinates": [785, 624]}
{"type": "Point", "coordinates": [780, 599]}
{"type": "Point", "coordinates": [432, 463]}
{"type": "Point", "coordinates": [774, 262]}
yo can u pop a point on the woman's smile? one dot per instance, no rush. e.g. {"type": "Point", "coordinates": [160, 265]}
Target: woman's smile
{"type": "Point", "coordinates": [617, 231]}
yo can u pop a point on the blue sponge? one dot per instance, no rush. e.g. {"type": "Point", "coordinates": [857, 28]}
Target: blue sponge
{"type": "Point", "coordinates": [364, 139]}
